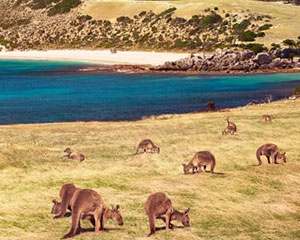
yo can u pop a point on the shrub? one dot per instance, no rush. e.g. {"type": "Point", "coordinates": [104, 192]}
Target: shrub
{"type": "Point", "coordinates": [64, 6]}
{"type": "Point", "coordinates": [84, 18]}
{"type": "Point", "coordinates": [297, 91]}
{"type": "Point", "coordinates": [289, 42]}
{"type": "Point", "coordinates": [170, 10]}
{"type": "Point", "coordinates": [247, 36]}
{"type": "Point", "coordinates": [275, 46]}
{"type": "Point", "coordinates": [260, 34]}
{"type": "Point", "coordinates": [210, 106]}
{"type": "Point", "coordinates": [239, 27]}
{"type": "Point", "coordinates": [255, 47]}
{"type": "Point", "coordinates": [265, 27]}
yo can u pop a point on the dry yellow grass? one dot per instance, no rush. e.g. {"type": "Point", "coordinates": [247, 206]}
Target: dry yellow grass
{"type": "Point", "coordinates": [246, 203]}
{"type": "Point", "coordinates": [286, 19]}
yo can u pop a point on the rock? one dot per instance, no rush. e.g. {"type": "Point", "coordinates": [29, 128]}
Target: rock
{"type": "Point", "coordinates": [262, 58]}
{"type": "Point", "coordinates": [247, 55]}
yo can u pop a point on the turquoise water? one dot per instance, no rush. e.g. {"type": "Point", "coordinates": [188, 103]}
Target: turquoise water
{"type": "Point", "coordinates": [47, 91]}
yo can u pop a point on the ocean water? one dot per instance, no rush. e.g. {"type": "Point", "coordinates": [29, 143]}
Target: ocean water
{"type": "Point", "coordinates": [48, 91]}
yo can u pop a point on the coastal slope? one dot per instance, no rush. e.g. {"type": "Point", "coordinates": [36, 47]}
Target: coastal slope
{"type": "Point", "coordinates": [247, 202]}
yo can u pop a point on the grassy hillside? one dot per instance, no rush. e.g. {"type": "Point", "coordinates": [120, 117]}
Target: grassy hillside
{"type": "Point", "coordinates": [247, 202]}
{"type": "Point", "coordinates": [285, 17]}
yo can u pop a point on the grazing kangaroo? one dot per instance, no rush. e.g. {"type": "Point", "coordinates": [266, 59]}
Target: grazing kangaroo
{"type": "Point", "coordinates": [112, 213]}
{"type": "Point", "coordinates": [66, 193]}
{"type": "Point", "coordinates": [230, 129]}
{"type": "Point", "coordinates": [147, 144]}
{"type": "Point", "coordinates": [200, 159]}
{"type": "Point", "coordinates": [270, 150]}
{"type": "Point", "coordinates": [159, 206]}
{"type": "Point", "coordinates": [73, 156]}
{"type": "Point", "coordinates": [86, 202]}
{"type": "Point", "coordinates": [267, 118]}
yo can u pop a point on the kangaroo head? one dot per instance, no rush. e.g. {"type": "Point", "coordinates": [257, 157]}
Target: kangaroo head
{"type": "Point", "coordinates": [185, 220]}
{"type": "Point", "coordinates": [185, 168]}
{"type": "Point", "coordinates": [158, 149]}
{"type": "Point", "coordinates": [282, 156]}
{"type": "Point", "coordinates": [56, 207]}
{"type": "Point", "coordinates": [67, 150]}
{"type": "Point", "coordinates": [116, 215]}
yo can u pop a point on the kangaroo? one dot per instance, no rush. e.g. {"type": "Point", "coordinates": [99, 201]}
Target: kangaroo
{"type": "Point", "coordinates": [270, 150]}
{"type": "Point", "coordinates": [112, 213]}
{"type": "Point", "coordinates": [230, 129]}
{"type": "Point", "coordinates": [200, 159]}
{"type": "Point", "coordinates": [66, 193]}
{"type": "Point", "coordinates": [86, 202]}
{"type": "Point", "coordinates": [147, 144]}
{"type": "Point", "coordinates": [267, 118]}
{"type": "Point", "coordinates": [178, 216]}
{"type": "Point", "coordinates": [73, 156]}
{"type": "Point", "coordinates": [159, 206]}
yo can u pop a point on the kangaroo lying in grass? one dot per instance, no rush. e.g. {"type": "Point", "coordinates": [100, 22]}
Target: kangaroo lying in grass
{"type": "Point", "coordinates": [270, 150]}
{"type": "Point", "coordinates": [88, 204]}
{"type": "Point", "coordinates": [200, 159]}
{"type": "Point", "coordinates": [230, 129]}
{"type": "Point", "coordinates": [73, 156]}
{"type": "Point", "coordinates": [159, 206]}
{"type": "Point", "coordinates": [147, 144]}
{"type": "Point", "coordinates": [66, 193]}
{"type": "Point", "coordinates": [267, 118]}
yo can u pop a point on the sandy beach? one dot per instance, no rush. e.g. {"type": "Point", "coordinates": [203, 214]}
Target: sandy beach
{"type": "Point", "coordinates": [96, 56]}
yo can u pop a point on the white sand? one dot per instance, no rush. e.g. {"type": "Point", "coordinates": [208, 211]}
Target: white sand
{"type": "Point", "coordinates": [95, 56]}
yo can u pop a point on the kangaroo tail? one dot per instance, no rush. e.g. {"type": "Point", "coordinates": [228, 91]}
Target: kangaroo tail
{"type": "Point", "coordinates": [258, 154]}
{"type": "Point", "coordinates": [151, 224]}
{"type": "Point", "coordinates": [212, 166]}
{"type": "Point", "coordinates": [137, 151]}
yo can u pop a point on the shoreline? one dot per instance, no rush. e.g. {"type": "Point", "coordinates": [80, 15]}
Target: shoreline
{"type": "Point", "coordinates": [96, 56]}
{"type": "Point", "coordinates": [133, 68]}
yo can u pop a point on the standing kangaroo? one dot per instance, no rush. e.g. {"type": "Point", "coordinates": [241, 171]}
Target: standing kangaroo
{"type": "Point", "coordinates": [200, 159]}
{"type": "Point", "coordinates": [230, 129]}
{"type": "Point", "coordinates": [267, 118]}
{"type": "Point", "coordinates": [159, 206]}
{"type": "Point", "coordinates": [147, 144]}
{"type": "Point", "coordinates": [66, 193]}
{"type": "Point", "coordinates": [85, 204]}
{"type": "Point", "coordinates": [69, 155]}
{"type": "Point", "coordinates": [270, 150]}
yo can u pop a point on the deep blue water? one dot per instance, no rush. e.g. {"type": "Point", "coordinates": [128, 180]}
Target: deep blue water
{"type": "Point", "coordinates": [46, 91]}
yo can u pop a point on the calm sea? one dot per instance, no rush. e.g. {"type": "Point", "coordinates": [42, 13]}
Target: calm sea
{"type": "Point", "coordinates": [48, 91]}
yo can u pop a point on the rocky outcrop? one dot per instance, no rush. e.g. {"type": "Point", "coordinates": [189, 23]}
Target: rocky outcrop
{"type": "Point", "coordinates": [230, 61]}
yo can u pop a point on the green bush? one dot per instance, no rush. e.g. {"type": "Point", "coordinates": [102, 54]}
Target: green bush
{"type": "Point", "coordinates": [239, 27]}
{"type": "Point", "coordinates": [170, 10]}
{"type": "Point", "coordinates": [260, 34]}
{"type": "Point", "coordinates": [297, 91]}
{"type": "Point", "coordinates": [255, 47]}
{"type": "Point", "coordinates": [247, 36]}
{"type": "Point", "coordinates": [265, 27]}
{"type": "Point", "coordinates": [64, 6]}
{"type": "Point", "coordinates": [289, 42]}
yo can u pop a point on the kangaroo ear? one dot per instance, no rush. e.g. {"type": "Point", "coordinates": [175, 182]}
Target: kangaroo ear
{"type": "Point", "coordinates": [54, 201]}
{"type": "Point", "coordinates": [183, 164]}
{"type": "Point", "coordinates": [118, 206]}
{"type": "Point", "coordinates": [284, 153]}
{"type": "Point", "coordinates": [186, 211]}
